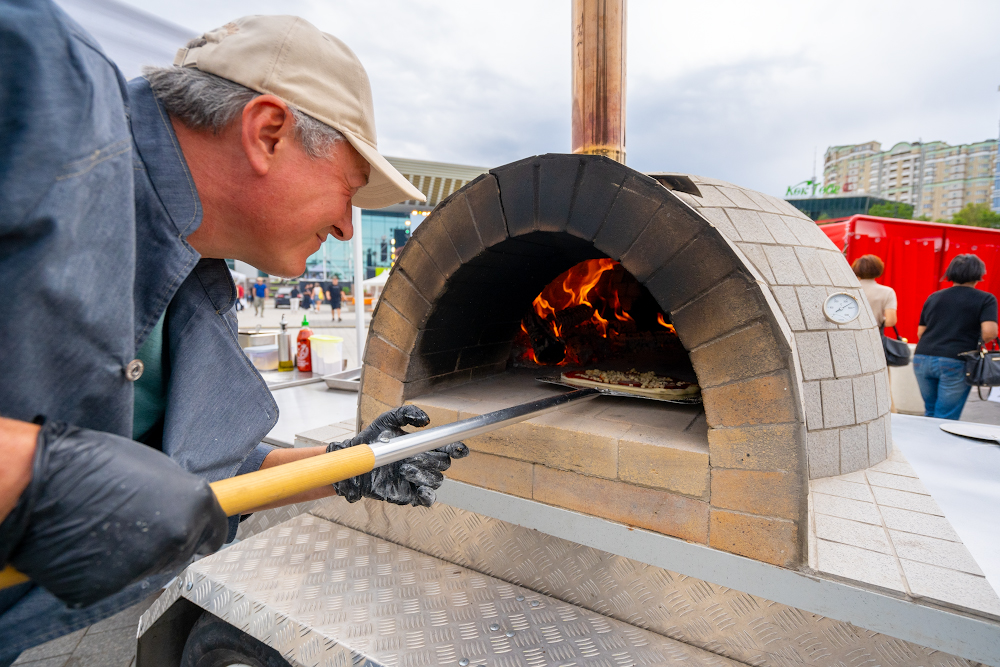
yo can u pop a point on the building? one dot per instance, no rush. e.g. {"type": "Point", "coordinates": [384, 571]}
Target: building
{"type": "Point", "coordinates": [936, 178]}
{"type": "Point", "coordinates": [836, 206]}
{"type": "Point", "coordinates": [385, 230]}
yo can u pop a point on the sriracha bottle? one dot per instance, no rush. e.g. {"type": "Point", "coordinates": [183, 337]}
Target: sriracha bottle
{"type": "Point", "coordinates": [303, 353]}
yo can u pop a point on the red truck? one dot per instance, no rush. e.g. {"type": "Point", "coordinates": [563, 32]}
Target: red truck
{"type": "Point", "coordinates": [916, 255]}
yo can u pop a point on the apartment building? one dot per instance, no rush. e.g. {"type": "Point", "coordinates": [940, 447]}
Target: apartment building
{"type": "Point", "coordinates": [936, 178]}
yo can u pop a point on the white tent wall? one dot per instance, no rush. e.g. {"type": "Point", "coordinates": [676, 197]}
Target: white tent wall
{"type": "Point", "coordinates": [131, 37]}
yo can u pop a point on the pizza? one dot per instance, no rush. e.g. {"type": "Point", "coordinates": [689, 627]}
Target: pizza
{"type": "Point", "coordinates": [633, 382]}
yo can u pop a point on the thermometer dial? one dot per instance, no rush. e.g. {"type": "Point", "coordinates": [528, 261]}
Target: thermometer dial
{"type": "Point", "coordinates": [841, 308]}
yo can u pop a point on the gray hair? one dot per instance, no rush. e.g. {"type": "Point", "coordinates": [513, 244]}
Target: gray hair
{"type": "Point", "coordinates": [204, 101]}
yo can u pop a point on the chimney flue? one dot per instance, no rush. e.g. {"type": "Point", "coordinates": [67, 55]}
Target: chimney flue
{"type": "Point", "coordinates": [599, 78]}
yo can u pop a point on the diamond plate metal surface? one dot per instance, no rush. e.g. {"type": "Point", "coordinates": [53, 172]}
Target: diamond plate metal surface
{"type": "Point", "coordinates": [721, 620]}
{"type": "Point", "coordinates": [326, 595]}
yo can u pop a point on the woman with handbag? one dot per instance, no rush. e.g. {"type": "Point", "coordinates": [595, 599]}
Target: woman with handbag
{"type": "Point", "coordinates": [952, 321]}
{"type": "Point", "coordinates": [882, 299]}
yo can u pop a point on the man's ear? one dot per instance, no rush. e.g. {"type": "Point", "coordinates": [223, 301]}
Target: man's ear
{"type": "Point", "coordinates": [267, 122]}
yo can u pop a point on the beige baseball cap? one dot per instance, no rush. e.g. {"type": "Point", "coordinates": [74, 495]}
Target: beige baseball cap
{"type": "Point", "coordinates": [288, 57]}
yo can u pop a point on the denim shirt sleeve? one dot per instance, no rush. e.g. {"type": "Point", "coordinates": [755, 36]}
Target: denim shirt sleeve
{"type": "Point", "coordinates": [255, 459]}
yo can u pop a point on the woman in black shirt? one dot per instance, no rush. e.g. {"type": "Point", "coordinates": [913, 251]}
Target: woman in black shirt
{"type": "Point", "coordinates": [952, 321]}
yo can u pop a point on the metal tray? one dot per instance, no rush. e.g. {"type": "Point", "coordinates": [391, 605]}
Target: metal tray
{"type": "Point", "coordinates": [550, 379]}
{"type": "Point", "coordinates": [349, 380]}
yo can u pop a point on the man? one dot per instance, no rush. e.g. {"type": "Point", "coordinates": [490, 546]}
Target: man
{"type": "Point", "coordinates": [335, 294]}
{"type": "Point", "coordinates": [260, 296]}
{"type": "Point", "coordinates": [124, 388]}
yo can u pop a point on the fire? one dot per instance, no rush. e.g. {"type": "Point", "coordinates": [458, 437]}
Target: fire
{"type": "Point", "coordinates": [582, 315]}
{"type": "Point", "coordinates": [664, 323]}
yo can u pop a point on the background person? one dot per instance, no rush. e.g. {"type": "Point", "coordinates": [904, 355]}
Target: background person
{"type": "Point", "coordinates": [260, 292]}
{"type": "Point", "coordinates": [952, 321]}
{"type": "Point", "coordinates": [334, 294]}
{"type": "Point", "coordinates": [294, 298]}
{"type": "Point", "coordinates": [317, 297]}
{"type": "Point", "coordinates": [882, 298]}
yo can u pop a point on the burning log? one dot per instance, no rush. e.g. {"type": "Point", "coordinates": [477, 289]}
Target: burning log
{"type": "Point", "coordinates": [547, 349]}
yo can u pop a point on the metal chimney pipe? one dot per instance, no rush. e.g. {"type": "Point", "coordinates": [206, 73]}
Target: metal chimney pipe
{"type": "Point", "coordinates": [599, 78]}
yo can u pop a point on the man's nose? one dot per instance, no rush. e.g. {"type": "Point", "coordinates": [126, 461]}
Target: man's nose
{"type": "Point", "coordinates": [346, 226]}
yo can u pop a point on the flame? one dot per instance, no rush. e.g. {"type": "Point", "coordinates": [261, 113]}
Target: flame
{"type": "Point", "coordinates": [664, 323]}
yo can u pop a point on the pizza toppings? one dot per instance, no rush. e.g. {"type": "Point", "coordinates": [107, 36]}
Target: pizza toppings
{"type": "Point", "coordinates": [647, 383]}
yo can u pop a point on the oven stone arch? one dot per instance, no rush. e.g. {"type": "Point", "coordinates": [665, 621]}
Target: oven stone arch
{"type": "Point", "coordinates": [740, 274]}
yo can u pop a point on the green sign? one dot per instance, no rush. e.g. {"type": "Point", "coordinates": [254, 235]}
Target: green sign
{"type": "Point", "coordinates": [810, 188]}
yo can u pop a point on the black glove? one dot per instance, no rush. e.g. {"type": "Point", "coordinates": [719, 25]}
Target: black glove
{"type": "Point", "coordinates": [411, 481]}
{"type": "Point", "coordinates": [102, 511]}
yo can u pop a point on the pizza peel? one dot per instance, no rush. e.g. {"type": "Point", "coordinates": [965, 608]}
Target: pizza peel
{"type": "Point", "coordinates": [975, 431]}
{"type": "Point", "coordinates": [555, 379]}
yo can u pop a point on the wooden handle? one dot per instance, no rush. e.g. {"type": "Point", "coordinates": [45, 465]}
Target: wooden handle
{"type": "Point", "coordinates": [242, 493]}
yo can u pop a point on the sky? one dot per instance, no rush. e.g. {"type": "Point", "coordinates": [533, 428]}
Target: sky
{"type": "Point", "coordinates": [749, 92]}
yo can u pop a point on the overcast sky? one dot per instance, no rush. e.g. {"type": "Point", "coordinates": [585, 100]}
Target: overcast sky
{"type": "Point", "coordinates": [743, 91]}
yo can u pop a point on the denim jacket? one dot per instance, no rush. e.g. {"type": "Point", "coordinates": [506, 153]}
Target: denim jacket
{"type": "Point", "coordinates": [96, 204]}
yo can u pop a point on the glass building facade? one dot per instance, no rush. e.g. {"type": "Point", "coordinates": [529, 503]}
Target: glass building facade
{"type": "Point", "coordinates": [383, 234]}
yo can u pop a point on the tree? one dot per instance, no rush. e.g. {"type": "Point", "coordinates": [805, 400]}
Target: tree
{"type": "Point", "coordinates": [977, 215]}
{"type": "Point", "coordinates": [894, 209]}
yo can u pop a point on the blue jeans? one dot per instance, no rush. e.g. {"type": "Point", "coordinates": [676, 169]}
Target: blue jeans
{"type": "Point", "coordinates": [942, 385]}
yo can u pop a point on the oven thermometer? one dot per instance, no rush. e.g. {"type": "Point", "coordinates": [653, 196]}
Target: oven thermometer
{"type": "Point", "coordinates": [841, 308]}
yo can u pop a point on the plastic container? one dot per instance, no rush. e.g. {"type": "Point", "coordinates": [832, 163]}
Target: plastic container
{"type": "Point", "coordinates": [327, 354]}
{"type": "Point", "coordinates": [263, 357]}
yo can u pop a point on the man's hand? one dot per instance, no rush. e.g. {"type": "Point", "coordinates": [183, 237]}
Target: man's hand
{"type": "Point", "coordinates": [411, 481]}
{"type": "Point", "coordinates": [102, 511]}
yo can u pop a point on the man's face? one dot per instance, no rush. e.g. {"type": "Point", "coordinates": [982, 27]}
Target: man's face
{"type": "Point", "coordinates": [300, 203]}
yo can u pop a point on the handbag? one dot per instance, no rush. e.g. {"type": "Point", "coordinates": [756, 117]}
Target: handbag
{"type": "Point", "coordinates": [897, 352]}
{"type": "Point", "coordinates": [982, 367]}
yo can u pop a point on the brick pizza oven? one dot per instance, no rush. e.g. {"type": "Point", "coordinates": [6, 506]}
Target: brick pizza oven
{"type": "Point", "coordinates": [787, 395]}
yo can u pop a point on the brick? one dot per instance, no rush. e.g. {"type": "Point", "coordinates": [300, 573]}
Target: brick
{"type": "Point", "coordinates": [659, 511]}
{"type": "Point", "coordinates": [762, 400]}
{"type": "Point", "coordinates": [785, 265]}
{"type": "Point", "coordinates": [733, 302]}
{"type": "Point", "coordinates": [382, 387]}
{"type": "Point", "coordinates": [785, 296]}
{"type": "Point", "coordinates": [737, 196]}
{"type": "Point", "coordinates": [844, 348]}
{"type": "Point", "coordinates": [493, 472]}
{"type": "Point", "coordinates": [811, 299]}
{"type": "Point", "coordinates": [813, 267]}
{"type": "Point", "coordinates": [557, 177]}
{"type": "Point", "coordinates": [633, 208]}
{"type": "Point", "coordinates": [838, 403]}
{"type": "Point", "coordinates": [385, 357]}
{"type": "Point", "coordinates": [765, 203]}
{"type": "Point", "coordinates": [837, 267]}
{"type": "Point", "coordinates": [702, 263]}
{"type": "Point", "coordinates": [590, 447]}
{"type": "Point", "coordinates": [814, 355]}
{"type": "Point", "coordinates": [438, 415]}
{"type": "Point", "coordinates": [456, 217]}
{"type": "Point", "coordinates": [770, 540]}
{"type": "Point", "coordinates": [807, 232]}
{"type": "Point", "coordinates": [823, 448]}
{"type": "Point", "coordinates": [853, 448]}
{"type": "Point", "coordinates": [865, 353]}
{"type": "Point", "coordinates": [671, 228]}
{"type": "Point", "coordinates": [877, 451]}
{"type": "Point", "coordinates": [814, 405]}
{"type": "Point", "coordinates": [739, 355]}
{"type": "Point", "coordinates": [712, 196]}
{"type": "Point", "coordinates": [432, 236]}
{"type": "Point", "coordinates": [419, 387]}
{"type": "Point", "coordinates": [767, 447]}
{"type": "Point", "coordinates": [718, 218]}
{"type": "Point", "coordinates": [369, 408]}
{"type": "Point", "coordinates": [595, 194]}
{"type": "Point", "coordinates": [432, 364]}
{"type": "Point", "coordinates": [518, 183]}
{"type": "Point", "coordinates": [777, 229]}
{"type": "Point", "coordinates": [883, 401]}
{"type": "Point", "coordinates": [647, 458]}
{"type": "Point", "coordinates": [755, 254]}
{"type": "Point", "coordinates": [749, 225]}
{"type": "Point", "coordinates": [401, 294]}
{"type": "Point", "coordinates": [765, 492]}
{"type": "Point", "coordinates": [865, 406]}
{"type": "Point", "coordinates": [876, 339]}
{"type": "Point", "coordinates": [483, 196]}
{"type": "Point", "coordinates": [392, 327]}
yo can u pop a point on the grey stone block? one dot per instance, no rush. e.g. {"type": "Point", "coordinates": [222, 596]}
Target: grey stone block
{"type": "Point", "coordinates": [814, 355]}
{"type": "Point", "coordinates": [785, 265]}
{"type": "Point", "coordinates": [690, 200]}
{"type": "Point", "coordinates": [764, 202]}
{"type": "Point", "coordinates": [853, 448]}
{"type": "Point", "coordinates": [823, 449]}
{"type": "Point", "coordinates": [749, 225]}
{"type": "Point", "coordinates": [838, 403]}
{"type": "Point", "coordinates": [756, 256]}
{"type": "Point", "coordinates": [777, 228]}
{"type": "Point", "coordinates": [865, 406]}
{"type": "Point", "coordinates": [814, 405]}
{"type": "Point", "coordinates": [888, 435]}
{"type": "Point", "coordinates": [738, 197]}
{"type": "Point", "coordinates": [837, 267]}
{"type": "Point", "coordinates": [805, 231]}
{"type": "Point", "coordinates": [865, 353]}
{"type": "Point", "coordinates": [844, 348]}
{"type": "Point", "coordinates": [883, 402]}
{"type": "Point", "coordinates": [813, 267]}
{"type": "Point", "coordinates": [711, 196]}
{"type": "Point", "coordinates": [785, 208]}
{"type": "Point", "coordinates": [789, 303]}
{"type": "Point", "coordinates": [876, 339]}
{"type": "Point", "coordinates": [719, 220]}
{"type": "Point", "coordinates": [811, 299]}
{"type": "Point", "coordinates": [877, 451]}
